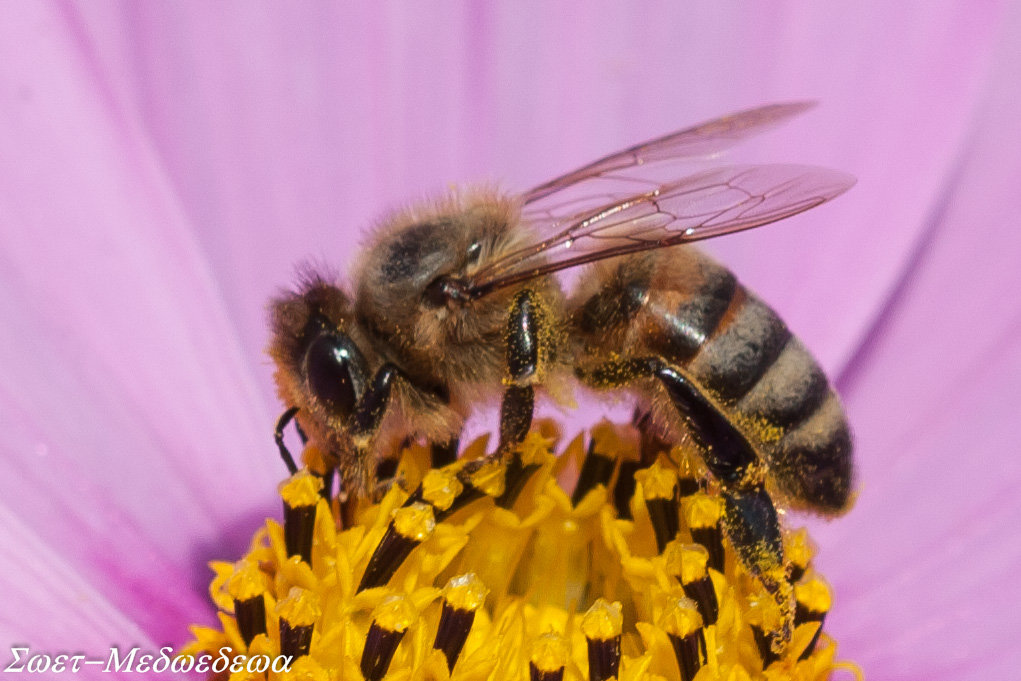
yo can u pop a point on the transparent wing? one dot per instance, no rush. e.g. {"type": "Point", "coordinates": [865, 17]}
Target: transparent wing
{"type": "Point", "coordinates": [710, 203]}
{"type": "Point", "coordinates": [627, 172]}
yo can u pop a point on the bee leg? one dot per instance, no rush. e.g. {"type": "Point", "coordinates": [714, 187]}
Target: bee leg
{"type": "Point", "coordinates": [516, 415]}
{"type": "Point", "coordinates": [358, 477]}
{"type": "Point", "coordinates": [750, 519]}
{"type": "Point", "coordinates": [525, 329]}
{"type": "Point", "coordinates": [371, 407]}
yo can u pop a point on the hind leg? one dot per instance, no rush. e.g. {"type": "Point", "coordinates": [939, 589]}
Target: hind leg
{"type": "Point", "coordinates": [750, 518]}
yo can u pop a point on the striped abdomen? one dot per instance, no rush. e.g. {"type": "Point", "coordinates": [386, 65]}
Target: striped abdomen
{"type": "Point", "coordinates": [680, 305]}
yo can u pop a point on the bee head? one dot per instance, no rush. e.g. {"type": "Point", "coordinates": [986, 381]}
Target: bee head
{"type": "Point", "coordinates": [320, 367]}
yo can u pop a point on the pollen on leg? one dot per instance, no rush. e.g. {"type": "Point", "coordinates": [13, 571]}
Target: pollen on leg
{"type": "Point", "coordinates": [512, 568]}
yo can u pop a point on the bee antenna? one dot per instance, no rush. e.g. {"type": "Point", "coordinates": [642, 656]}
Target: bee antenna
{"type": "Point", "coordinates": [278, 437]}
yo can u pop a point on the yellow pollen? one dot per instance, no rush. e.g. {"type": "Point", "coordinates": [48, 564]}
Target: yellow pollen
{"type": "Point", "coordinates": [687, 561]}
{"type": "Point", "coordinates": [489, 478]}
{"type": "Point", "coordinates": [799, 548]}
{"type": "Point", "coordinates": [301, 489]}
{"type": "Point", "coordinates": [300, 608]}
{"type": "Point", "coordinates": [603, 621]}
{"type": "Point", "coordinates": [549, 652]}
{"type": "Point", "coordinates": [413, 590]}
{"type": "Point", "coordinates": [681, 617]}
{"type": "Point", "coordinates": [440, 487]}
{"type": "Point", "coordinates": [247, 582]}
{"type": "Point", "coordinates": [395, 613]}
{"type": "Point", "coordinates": [702, 510]}
{"type": "Point", "coordinates": [814, 594]}
{"type": "Point", "coordinates": [657, 481]}
{"type": "Point", "coordinates": [415, 522]}
{"type": "Point", "coordinates": [534, 449]}
{"type": "Point", "coordinates": [466, 592]}
{"type": "Point", "coordinates": [764, 612]}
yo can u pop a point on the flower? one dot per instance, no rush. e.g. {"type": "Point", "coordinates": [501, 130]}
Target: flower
{"type": "Point", "coordinates": [162, 167]}
{"type": "Point", "coordinates": [625, 577]}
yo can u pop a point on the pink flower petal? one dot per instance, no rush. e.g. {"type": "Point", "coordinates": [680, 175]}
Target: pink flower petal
{"type": "Point", "coordinates": [124, 383]}
{"type": "Point", "coordinates": [50, 610]}
{"type": "Point", "coordinates": [933, 396]}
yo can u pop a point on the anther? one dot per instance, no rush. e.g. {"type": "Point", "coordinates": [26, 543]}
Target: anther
{"type": "Point", "coordinates": [690, 469]}
{"type": "Point", "coordinates": [488, 477]}
{"type": "Point", "coordinates": [527, 458]}
{"type": "Point", "coordinates": [659, 487]}
{"type": "Point", "coordinates": [409, 527]}
{"type": "Point", "coordinates": [625, 488]}
{"type": "Point", "coordinates": [814, 599]}
{"type": "Point", "coordinates": [703, 514]}
{"type": "Point", "coordinates": [596, 469]}
{"type": "Point", "coordinates": [548, 658]}
{"type": "Point", "coordinates": [444, 490]}
{"type": "Point", "coordinates": [390, 620]}
{"type": "Point", "coordinates": [602, 625]}
{"type": "Point", "coordinates": [476, 479]}
{"type": "Point", "coordinates": [315, 460]}
{"type": "Point", "coordinates": [765, 618]}
{"type": "Point", "coordinates": [440, 488]}
{"type": "Point", "coordinates": [463, 597]}
{"type": "Point", "coordinates": [443, 454]}
{"type": "Point", "coordinates": [799, 551]}
{"type": "Point", "coordinates": [687, 486]}
{"type": "Point", "coordinates": [247, 586]}
{"type": "Point", "coordinates": [689, 563]}
{"type": "Point", "coordinates": [683, 625]}
{"type": "Point", "coordinates": [297, 614]}
{"type": "Point", "coordinates": [301, 494]}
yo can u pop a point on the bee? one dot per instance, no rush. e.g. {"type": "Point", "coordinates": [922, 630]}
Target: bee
{"type": "Point", "coordinates": [457, 302]}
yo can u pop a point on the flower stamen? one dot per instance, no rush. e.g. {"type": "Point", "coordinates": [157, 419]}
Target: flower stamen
{"type": "Point", "coordinates": [683, 624]}
{"type": "Point", "coordinates": [301, 494]}
{"type": "Point", "coordinates": [659, 488]}
{"type": "Point", "coordinates": [464, 596]}
{"type": "Point", "coordinates": [410, 526]}
{"type": "Point", "coordinates": [562, 584]}
{"type": "Point", "coordinates": [247, 587]}
{"type": "Point", "coordinates": [297, 614]}
{"type": "Point", "coordinates": [549, 657]}
{"type": "Point", "coordinates": [602, 625]}
{"type": "Point", "coordinates": [390, 620]}
{"type": "Point", "coordinates": [704, 514]}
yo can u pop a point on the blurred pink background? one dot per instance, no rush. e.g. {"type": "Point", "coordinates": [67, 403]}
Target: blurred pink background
{"type": "Point", "coordinates": [164, 166]}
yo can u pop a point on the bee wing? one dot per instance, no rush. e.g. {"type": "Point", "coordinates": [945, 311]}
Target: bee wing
{"type": "Point", "coordinates": [703, 205]}
{"type": "Point", "coordinates": [614, 177]}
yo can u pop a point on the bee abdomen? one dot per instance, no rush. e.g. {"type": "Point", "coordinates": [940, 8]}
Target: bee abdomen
{"type": "Point", "coordinates": [789, 392]}
{"type": "Point", "coordinates": [809, 450]}
{"type": "Point", "coordinates": [748, 340]}
{"type": "Point", "coordinates": [740, 351]}
{"type": "Point", "coordinates": [683, 328]}
{"type": "Point", "coordinates": [812, 462]}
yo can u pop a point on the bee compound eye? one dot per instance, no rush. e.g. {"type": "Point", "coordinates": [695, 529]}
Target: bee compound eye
{"type": "Point", "coordinates": [333, 371]}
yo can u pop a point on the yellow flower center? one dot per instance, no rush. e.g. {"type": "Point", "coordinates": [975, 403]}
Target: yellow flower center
{"type": "Point", "coordinates": [492, 570]}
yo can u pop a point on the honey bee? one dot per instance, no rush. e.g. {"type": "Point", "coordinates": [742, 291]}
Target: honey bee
{"type": "Point", "coordinates": [456, 302]}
